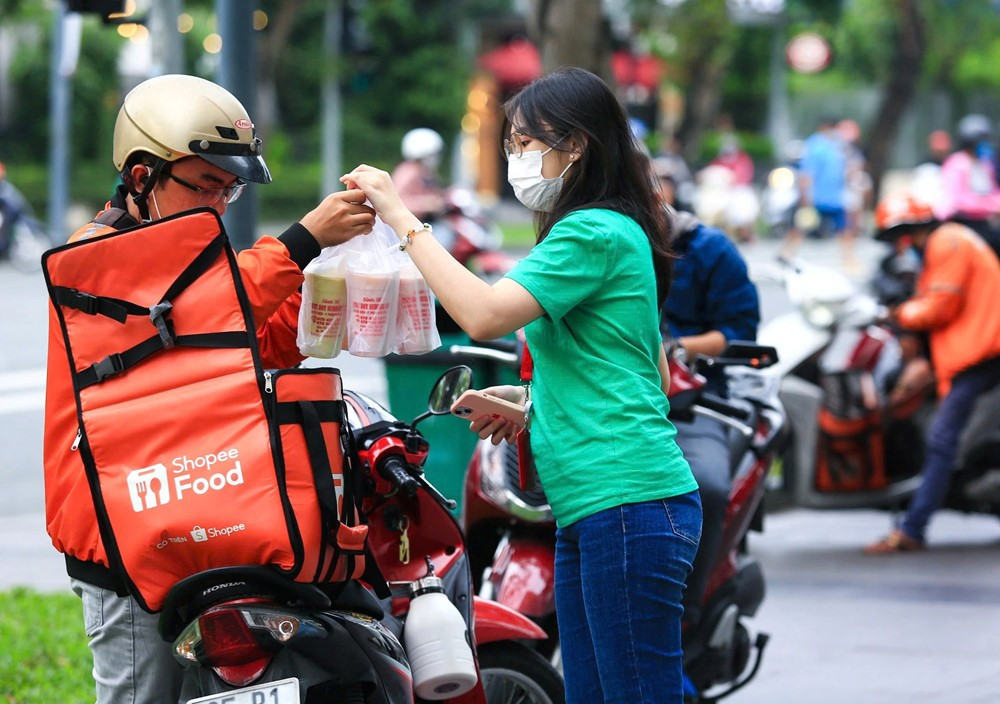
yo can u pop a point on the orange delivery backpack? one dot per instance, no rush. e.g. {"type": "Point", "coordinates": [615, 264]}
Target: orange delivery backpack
{"type": "Point", "coordinates": [196, 456]}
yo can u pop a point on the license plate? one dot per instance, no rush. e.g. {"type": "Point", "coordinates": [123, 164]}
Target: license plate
{"type": "Point", "coordinates": [280, 692]}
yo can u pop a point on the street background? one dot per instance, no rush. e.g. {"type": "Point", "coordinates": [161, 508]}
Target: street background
{"type": "Point", "coordinates": [844, 627]}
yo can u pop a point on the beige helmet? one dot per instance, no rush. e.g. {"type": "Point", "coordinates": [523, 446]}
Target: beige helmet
{"type": "Point", "coordinates": [175, 116]}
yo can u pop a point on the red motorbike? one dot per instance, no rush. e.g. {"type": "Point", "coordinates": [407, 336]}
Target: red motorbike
{"type": "Point", "coordinates": [248, 634]}
{"type": "Point", "coordinates": [511, 532]}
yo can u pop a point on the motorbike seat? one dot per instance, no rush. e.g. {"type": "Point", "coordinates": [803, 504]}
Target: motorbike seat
{"type": "Point", "coordinates": [356, 597]}
{"type": "Point", "coordinates": [200, 591]}
{"type": "Point", "coordinates": [738, 442]}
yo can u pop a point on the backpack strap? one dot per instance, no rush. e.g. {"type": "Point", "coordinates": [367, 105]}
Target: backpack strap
{"type": "Point", "coordinates": [165, 337]}
{"type": "Point", "coordinates": [118, 218]}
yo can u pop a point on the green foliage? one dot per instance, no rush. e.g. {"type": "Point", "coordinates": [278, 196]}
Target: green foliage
{"type": "Point", "coordinates": [94, 97]}
{"type": "Point", "coordinates": [45, 657]}
{"type": "Point", "coordinates": [412, 74]}
{"type": "Point", "coordinates": [745, 86]}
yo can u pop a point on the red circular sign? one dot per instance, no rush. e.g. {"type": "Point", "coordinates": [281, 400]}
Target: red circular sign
{"type": "Point", "coordinates": [808, 53]}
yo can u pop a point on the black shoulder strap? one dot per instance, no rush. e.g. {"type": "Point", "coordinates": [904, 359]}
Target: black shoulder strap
{"type": "Point", "coordinates": [118, 218]}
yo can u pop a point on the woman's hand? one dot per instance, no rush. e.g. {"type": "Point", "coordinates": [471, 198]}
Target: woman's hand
{"type": "Point", "coordinates": [378, 188]}
{"type": "Point", "coordinates": [498, 429]}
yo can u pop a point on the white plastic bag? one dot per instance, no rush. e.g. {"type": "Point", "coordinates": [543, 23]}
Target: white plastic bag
{"type": "Point", "coordinates": [323, 315]}
{"type": "Point", "coordinates": [372, 294]}
{"type": "Point", "coordinates": [416, 322]}
{"type": "Point", "coordinates": [369, 291]}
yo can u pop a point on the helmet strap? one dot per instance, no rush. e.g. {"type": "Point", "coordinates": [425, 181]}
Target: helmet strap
{"type": "Point", "coordinates": [140, 198]}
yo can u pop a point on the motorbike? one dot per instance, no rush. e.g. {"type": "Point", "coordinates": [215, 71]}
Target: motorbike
{"type": "Point", "coordinates": [248, 635]}
{"type": "Point", "coordinates": [857, 435]}
{"type": "Point", "coordinates": [511, 530]}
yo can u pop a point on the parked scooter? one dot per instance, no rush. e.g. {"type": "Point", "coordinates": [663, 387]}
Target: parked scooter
{"type": "Point", "coordinates": [852, 444]}
{"type": "Point", "coordinates": [254, 636]}
{"type": "Point", "coordinates": [513, 533]}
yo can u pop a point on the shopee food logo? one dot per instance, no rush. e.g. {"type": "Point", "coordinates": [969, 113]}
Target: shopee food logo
{"type": "Point", "coordinates": [151, 486]}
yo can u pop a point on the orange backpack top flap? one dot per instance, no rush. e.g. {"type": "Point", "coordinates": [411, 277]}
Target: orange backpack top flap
{"type": "Point", "coordinates": [173, 428]}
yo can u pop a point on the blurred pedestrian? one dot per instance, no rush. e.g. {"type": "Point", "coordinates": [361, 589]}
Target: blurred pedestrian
{"type": "Point", "coordinates": [823, 175]}
{"type": "Point", "coordinates": [671, 158]}
{"type": "Point", "coordinates": [857, 188]}
{"type": "Point", "coordinates": [928, 183]}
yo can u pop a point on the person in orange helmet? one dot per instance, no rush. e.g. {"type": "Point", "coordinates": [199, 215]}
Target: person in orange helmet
{"type": "Point", "coordinates": [955, 303]}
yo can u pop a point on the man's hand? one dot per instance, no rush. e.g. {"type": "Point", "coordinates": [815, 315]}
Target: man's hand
{"type": "Point", "coordinates": [339, 217]}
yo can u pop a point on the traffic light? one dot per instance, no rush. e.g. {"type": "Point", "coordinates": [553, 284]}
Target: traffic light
{"type": "Point", "coordinates": [111, 11]}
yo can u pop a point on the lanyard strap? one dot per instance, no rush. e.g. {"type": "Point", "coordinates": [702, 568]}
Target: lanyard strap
{"type": "Point", "coordinates": [527, 366]}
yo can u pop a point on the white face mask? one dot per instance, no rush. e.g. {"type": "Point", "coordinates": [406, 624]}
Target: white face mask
{"type": "Point", "coordinates": [524, 173]}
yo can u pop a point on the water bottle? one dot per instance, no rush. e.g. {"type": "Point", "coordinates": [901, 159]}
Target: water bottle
{"type": "Point", "coordinates": [436, 639]}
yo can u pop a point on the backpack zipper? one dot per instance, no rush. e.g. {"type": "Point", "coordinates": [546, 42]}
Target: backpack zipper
{"type": "Point", "coordinates": [76, 443]}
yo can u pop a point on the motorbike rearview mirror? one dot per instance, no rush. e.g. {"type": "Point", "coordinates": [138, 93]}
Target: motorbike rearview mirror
{"type": "Point", "coordinates": [449, 386]}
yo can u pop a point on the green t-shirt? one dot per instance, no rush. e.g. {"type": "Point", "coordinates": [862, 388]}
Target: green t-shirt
{"type": "Point", "coordinates": [599, 431]}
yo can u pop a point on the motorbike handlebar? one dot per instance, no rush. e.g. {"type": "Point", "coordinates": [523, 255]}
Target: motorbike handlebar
{"type": "Point", "coordinates": [394, 469]}
{"type": "Point", "coordinates": [720, 405]}
{"type": "Point", "coordinates": [494, 355]}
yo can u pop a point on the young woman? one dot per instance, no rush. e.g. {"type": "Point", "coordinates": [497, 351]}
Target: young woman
{"type": "Point", "coordinates": [588, 295]}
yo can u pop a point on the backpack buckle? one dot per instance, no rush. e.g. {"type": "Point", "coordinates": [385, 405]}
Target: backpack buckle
{"type": "Point", "coordinates": [109, 366]}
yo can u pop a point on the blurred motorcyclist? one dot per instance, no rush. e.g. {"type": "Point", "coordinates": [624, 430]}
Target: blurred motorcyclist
{"type": "Point", "coordinates": [416, 177]}
{"type": "Point", "coordinates": [711, 302]}
{"type": "Point", "coordinates": [955, 303]}
{"type": "Point", "coordinates": [12, 208]}
{"type": "Point", "coordinates": [418, 183]}
{"type": "Point", "coordinates": [970, 194]}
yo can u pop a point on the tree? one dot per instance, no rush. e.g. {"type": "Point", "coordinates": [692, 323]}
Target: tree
{"type": "Point", "coordinates": [905, 68]}
{"type": "Point", "coordinates": [571, 33]}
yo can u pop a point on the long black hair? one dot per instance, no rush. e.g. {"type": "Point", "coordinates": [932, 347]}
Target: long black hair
{"type": "Point", "coordinates": [612, 172]}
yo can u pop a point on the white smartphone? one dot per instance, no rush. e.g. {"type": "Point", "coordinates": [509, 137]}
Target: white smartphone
{"type": "Point", "coordinates": [475, 404]}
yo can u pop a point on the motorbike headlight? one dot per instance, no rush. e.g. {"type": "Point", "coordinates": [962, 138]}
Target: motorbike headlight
{"type": "Point", "coordinates": [499, 480]}
{"type": "Point", "coordinates": [822, 314]}
{"type": "Point", "coordinates": [491, 473]}
{"type": "Point", "coordinates": [781, 178]}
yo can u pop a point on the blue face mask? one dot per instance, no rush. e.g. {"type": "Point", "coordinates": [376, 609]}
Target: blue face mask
{"type": "Point", "coordinates": [984, 150]}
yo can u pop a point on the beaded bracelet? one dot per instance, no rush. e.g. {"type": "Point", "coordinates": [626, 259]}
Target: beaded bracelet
{"type": "Point", "coordinates": [408, 240]}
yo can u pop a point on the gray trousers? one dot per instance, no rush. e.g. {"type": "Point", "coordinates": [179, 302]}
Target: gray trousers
{"type": "Point", "coordinates": [132, 664]}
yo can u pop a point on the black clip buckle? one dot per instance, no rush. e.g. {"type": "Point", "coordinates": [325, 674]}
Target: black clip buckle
{"type": "Point", "coordinates": [156, 314]}
{"type": "Point", "coordinates": [85, 302]}
{"type": "Point", "coordinates": [109, 366]}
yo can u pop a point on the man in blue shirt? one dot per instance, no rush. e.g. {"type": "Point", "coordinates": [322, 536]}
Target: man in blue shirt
{"type": "Point", "coordinates": [711, 303]}
{"type": "Point", "coordinates": [823, 174]}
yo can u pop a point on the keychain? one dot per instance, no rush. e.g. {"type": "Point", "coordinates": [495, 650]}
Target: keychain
{"type": "Point", "coordinates": [404, 543]}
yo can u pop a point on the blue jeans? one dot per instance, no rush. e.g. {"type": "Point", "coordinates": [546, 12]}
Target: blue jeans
{"type": "Point", "coordinates": [943, 437]}
{"type": "Point", "coordinates": [619, 577]}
